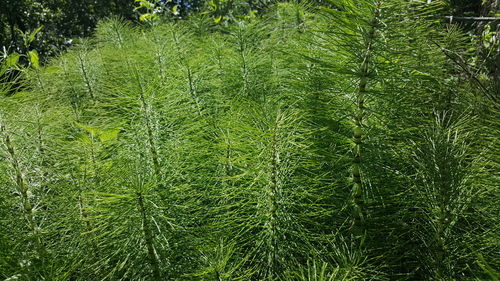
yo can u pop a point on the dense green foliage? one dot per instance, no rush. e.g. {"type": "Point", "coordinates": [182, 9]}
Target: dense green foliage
{"type": "Point", "coordinates": [63, 21]}
{"type": "Point", "coordinates": [339, 143]}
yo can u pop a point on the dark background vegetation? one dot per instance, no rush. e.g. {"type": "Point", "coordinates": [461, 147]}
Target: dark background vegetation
{"type": "Point", "coordinates": [64, 21]}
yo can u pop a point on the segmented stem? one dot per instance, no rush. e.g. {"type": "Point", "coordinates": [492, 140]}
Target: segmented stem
{"type": "Point", "coordinates": [149, 129]}
{"type": "Point", "coordinates": [189, 74]}
{"type": "Point", "coordinates": [273, 195]}
{"type": "Point", "coordinates": [364, 72]}
{"type": "Point", "coordinates": [22, 188]}
{"type": "Point", "coordinates": [85, 75]}
{"type": "Point", "coordinates": [149, 238]}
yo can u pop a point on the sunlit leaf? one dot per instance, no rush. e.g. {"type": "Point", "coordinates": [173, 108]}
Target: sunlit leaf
{"type": "Point", "coordinates": [33, 34]}
{"type": "Point", "coordinates": [218, 19]}
{"type": "Point", "coordinates": [109, 135]}
{"type": "Point", "coordinates": [34, 58]}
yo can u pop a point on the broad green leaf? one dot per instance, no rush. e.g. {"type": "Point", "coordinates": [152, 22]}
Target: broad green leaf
{"type": "Point", "coordinates": [93, 131]}
{"type": "Point", "coordinates": [218, 19]}
{"type": "Point", "coordinates": [143, 4]}
{"type": "Point", "coordinates": [52, 69]}
{"type": "Point", "coordinates": [148, 17]}
{"type": "Point", "coordinates": [9, 62]}
{"type": "Point", "coordinates": [213, 5]}
{"type": "Point", "coordinates": [12, 59]}
{"type": "Point", "coordinates": [419, 73]}
{"type": "Point", "coordinates": [34, 58]}
{"type": "Point", "coordinates": [109, 135]}
{"type": "Point", "coordinates": [34, 33]}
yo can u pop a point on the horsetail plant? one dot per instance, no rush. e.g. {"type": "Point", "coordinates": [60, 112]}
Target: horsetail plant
{"type": "Point", "coordinates": [326, 141]}
{"type": "Point", "coordinates": [37, 262]}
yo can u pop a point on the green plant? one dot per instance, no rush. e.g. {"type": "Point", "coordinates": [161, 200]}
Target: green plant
{"type": "Point", "coordinates": [339, 143]}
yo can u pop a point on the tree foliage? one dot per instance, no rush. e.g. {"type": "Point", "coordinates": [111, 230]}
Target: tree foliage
{"type": "Point", "coordinates": [63, 22]}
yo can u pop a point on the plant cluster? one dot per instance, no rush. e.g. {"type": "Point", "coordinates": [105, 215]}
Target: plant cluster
{"type": "Point", "coordinates": [338, 143]}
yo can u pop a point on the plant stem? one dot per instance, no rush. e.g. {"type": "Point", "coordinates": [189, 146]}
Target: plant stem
{"type": "Point", "coordinates": [189, 73]}
{"type": "Point", "coordinates": [273, 193]}
{"type": "Point", "coordinates": [22, 188]}
{"type": "Point", "coordinates": [364, 72]}
{"type": "Point", "coordinates": [85, 76]}
{"type": "Point", "coordinates": [148, 237]}
{"type": "Point", "coordinates": [149, 130]}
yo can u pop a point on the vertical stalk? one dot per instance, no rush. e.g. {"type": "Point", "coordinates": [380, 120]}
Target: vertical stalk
{"type": "Point", "coordinates": [159, 58]}
{"type": "Point", "coordinates": [22, 188]}
{"type": "Point", "coordinates": [148, 237]}
{"type": "Point", "coordinates": [440, 241]}
{"type": "Point", "coordinates": [40, 81]}
{"type": "Point", "coordinates": [244, 64]}
{"type": "Point", "coordinates": [84, 217]}
{"type": "Point", "coordinates": [39, 134]}
{"type": "Point", "coordinates": [218, 58]}
{"type": "Point", "coordinates": [81, 199]}
{"type": "Point", "coordinates": [273, 204]}
{"type": "Point", "coordinates": [83, 214]}
{"type": "Point", "coordinates": [148, 234]}
{"type": "Point", "coordinates": [149, 130]}
{"type": "Point", "coordinates": [273, 194]}
{"type": "Point", "coordinates": [228, 166]}
{"type": "Point", "coordinates": [75, 101]}
{"type": "Point", "coordinates": [158, 54]}
{"type": "Point", "coordinates": [42, 159]}
{"type": "Point", "coordinates": [189, 73]}
{"type": "Point", "coordinates": [86, 78]}
{"type": "Point", "coordinates": [145, 106]}
{"type": "Point", "coordinates": [443, 180]}
{"type": "Point", "coordinates": [364, 72]}
{"type": "Point", "coordinates": [119, 36]}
